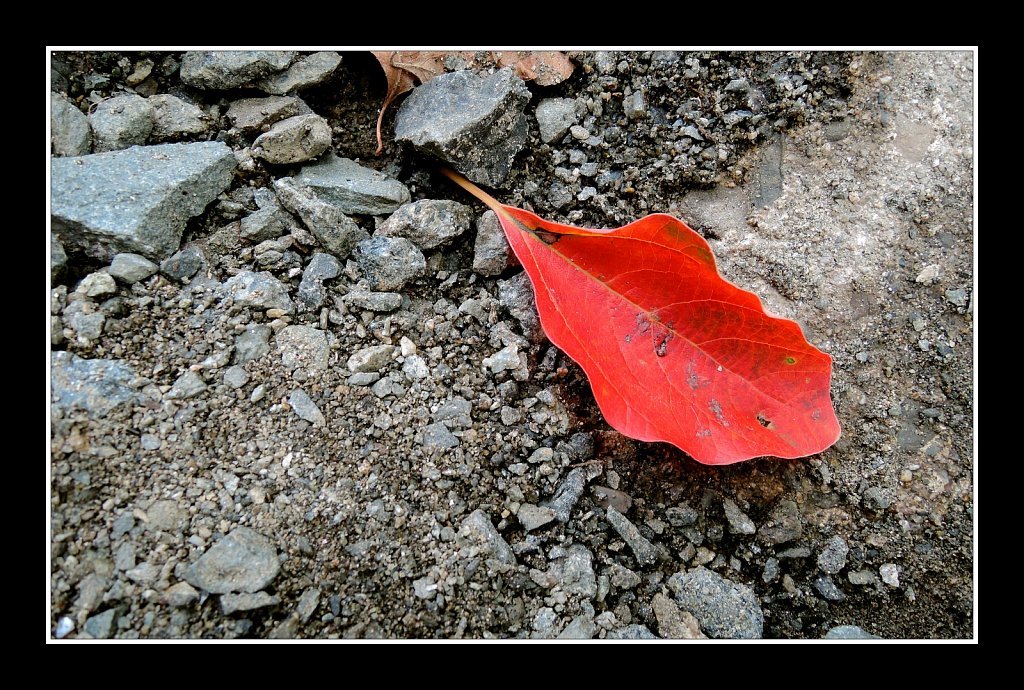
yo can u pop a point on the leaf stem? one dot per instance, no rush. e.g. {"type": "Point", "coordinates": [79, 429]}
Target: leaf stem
{"type": "Point", "coordinates": [480, 194]}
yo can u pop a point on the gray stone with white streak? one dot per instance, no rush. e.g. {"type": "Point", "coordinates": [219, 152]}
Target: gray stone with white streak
{"type": "Point", "coordinates": [137, 200]}
{"type": "Point", "coordinates": [643, 550]}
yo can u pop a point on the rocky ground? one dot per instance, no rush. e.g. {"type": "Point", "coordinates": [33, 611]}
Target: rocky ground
{"type": "Point", "coordinates": [298, 390]}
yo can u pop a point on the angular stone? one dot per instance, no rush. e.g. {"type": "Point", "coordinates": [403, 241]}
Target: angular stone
{"type": "Point", "coordinates": [183, 264]}
{"type": "Point", "coordinates": [254, 114]}
{"type": "Point", "coordinates": [308, 70]}
{"type": "Point", "coordinates": [131, 268]}
{"type": "Point", "coordinates": [137, 200]}
{"type": "Point", "coordinates": [428, 223]}
{"type": "Point", "coordinates": [312, 292]}
{"type": "Point", "coordinates": [389, 262]}
{"type": "Point", "coordinates": [832, 558]}
{"type": "Point", "coordinates": [784, 524]}
{"type": "Point", "coordinates": [188, 385]}
{"type": "Point", "coordinates": [474, 122]}
{"type": "Point", "coordinates": [477, 530]}
{"type": "Point", "coordinates": [490, 249]}
{"type": "Point", "coordinates": [643, 550]}
{"type": "Point", "coordinates": [568, 494]}
{"type": "Point", "coordinates": [120, 122]}
{"type": "Point", "coordinates": [351, 187]}
{"type": "Point", "coordinates": [849, 632]}
{"type": "Point", "coordinates": [723, 608]}
{"type": "Point", "coordinates": [554, 118]}
{"type": "Point", "coordinates": [673, 623]}
{"type": "Point", "coordinates": [268, 223]}
{"type": "Point", "coordinates": [70, 133]}
{"type": "Point", "coordinates": [242, 561]}
{"type": "Point", "coordinates": [634, 631]}
{"type": "Point", "coordinates": [373, 358]}
{"type": "Point", "coordinates": [335, 231]}
{"type": "Point", "coordinates": [175, 119]}
{"type": "Point", "coordinates": [531, 517]}
{"type": "Point", "coordinates": [516, 295]}
{"type": "Point", "coordinates": [374, 301]}
{"type": "Point", "coordinates": [304, 347]}
{"type": "Point", "coordinates": [97, 286]}
{"type": "Point", "coordinates": [180, 594]}
{"type": "Point", "coordinates": [230, 69]}
{"type": "Point", "coordinates": [252, 343]}
{"type": "Point", "coordinates": [437, 437]}
{"type": "Point", "coordinates": [58, 258]}
{"type": "Point", "coordinates": [305, 408]}
{"type": "Point", "coordinates": [294, 140]}
{"type": "Point", "coordinates": [738, 521]}
{"type": "Point", "coordinates": [258, 291]}
{"type": "Point", "coordinates": [233, 603]}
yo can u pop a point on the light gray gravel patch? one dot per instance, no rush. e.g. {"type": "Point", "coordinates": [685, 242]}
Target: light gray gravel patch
{"type": "Point", "coordinates": [137, 200]}
{"type": "Point", "coordinates": [474, 122]}
{"type": "Point", "coordinates": [242, 561]}
{"type": "Point", "coordinates": [428, 223]}
{"type": "Point", "coordinates": [293, 140]}
{"type": "Point", "coordinates": [305, 408]}
{"type": "Point", "coordinates": [351, 187]}
{"type": "Point", "coordinates": [304, 347]}
{"type": "Point", "coordinates": [306, 71]}
{"type": "Point", "coordinates": [131, 268]}
{"type": "Point", "coordinates": [230, 69]}
{"type": "Point", "coordinates": [70, 133]}
{"type": "Point", "coordinates": [723, 608]}
{"type": "Point", "coordinates": [120, 122]}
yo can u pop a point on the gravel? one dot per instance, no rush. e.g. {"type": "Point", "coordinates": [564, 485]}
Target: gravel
{"type": "Point", "coordinates": [723, 608]}
{"type": "Point", "coordinates": [249, 115]}
{"type": "Point", "coordinates": [258, 291]}
{"type": "Point", "coordinates": [554, 118]}
{"type": "Point", "coordinates": [175, 119]}
{"type": "Point", "coordinates": [305, 72]}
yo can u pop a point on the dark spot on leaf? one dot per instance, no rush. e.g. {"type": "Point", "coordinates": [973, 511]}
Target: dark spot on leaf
{"type": "Point", "coordinates": [790, 360]}
{"type": "Point", "coordinates": [764, 421]}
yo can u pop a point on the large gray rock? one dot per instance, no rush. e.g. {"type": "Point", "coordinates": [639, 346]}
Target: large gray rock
{"type": "Point", "coordinates": [175, 119]}
{"type": "Point", "coordinates": [307, 71]}
{"type": "Point", "coordinates": [243, 561]}
{"type": "Point", "coordinates": [554, 118]}
{"type": "Point", "coordinates": [137, 200]}
{"type": "Point", "coordinates": [351, 187]}
{"type": "Point", "coordinates": [429, 223]}
{"type": "Point", "coordinates": [70, 134]}
{"type": "Point", "coordinates": [258, 291]}
{"type": "Point", "coordinates": [474, 122]}
{"type": "Point", "coordinates": [253, 114]}
{"type": "Point", "coordinates": [334, 230]}
{"type": "Point", "coordinates": [95, 386]}
{"type": "Point", "coordinates": [724, 609]}
{"type": "Point", "coordinates": [293, 140]}
{"type": "Point", "coordinates": [389, 262]}
{"type": "Point", "coordinates": [230, 69]}
{"type": "Point", "coordinates": [120, 122]}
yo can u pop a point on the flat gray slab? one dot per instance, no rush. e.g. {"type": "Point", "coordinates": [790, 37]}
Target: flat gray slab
{"type": "Point", "coordinates": [136, 200]}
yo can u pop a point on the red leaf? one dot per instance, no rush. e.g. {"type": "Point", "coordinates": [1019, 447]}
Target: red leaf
{"type": "Point", "coordinates": [674, 352]}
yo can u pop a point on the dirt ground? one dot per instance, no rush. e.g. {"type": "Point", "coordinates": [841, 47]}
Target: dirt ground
{"type": "Point", "coordinates": [844, 197]}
